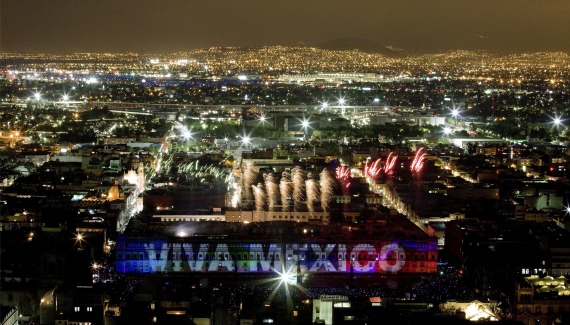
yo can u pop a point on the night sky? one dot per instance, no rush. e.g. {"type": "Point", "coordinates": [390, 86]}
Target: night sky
{"type": "Point", "coordinates": [165, 26]}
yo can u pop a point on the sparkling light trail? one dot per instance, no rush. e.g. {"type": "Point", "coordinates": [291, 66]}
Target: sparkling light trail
{"type": "Point", "coordinates": [418, 162]}
{"type": "Point", "coordinates": [390, 163]}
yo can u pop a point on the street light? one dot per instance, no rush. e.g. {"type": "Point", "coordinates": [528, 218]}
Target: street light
{"type": "Point", "coordinates": [287, 280]}
{"type": "Point", "coordinates": [263, 120]}
{"type": "Point", "coordinates": [186, 135]}
{"type": "Point", "coordinates": [79, 238]}
{"type": "Point", "coordinates": [455, 114]}
{"type": "Point", "coordinates": [245, 139]}
{"type": "Point", "coordinates": [341, 102]}
{"type": "Point", "coordinates": [557, 121]}
{"type": "Point", "coordinates": [96, 275]}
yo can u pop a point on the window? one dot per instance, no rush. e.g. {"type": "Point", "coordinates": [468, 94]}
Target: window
{"type": "Point", "coordinates": [77, 309]}
{"type": "Point", "coordinates": [89, 309]}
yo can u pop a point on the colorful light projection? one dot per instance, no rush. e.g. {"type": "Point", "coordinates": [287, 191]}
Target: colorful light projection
{"type": "Point", "coordinates": [135, 255]}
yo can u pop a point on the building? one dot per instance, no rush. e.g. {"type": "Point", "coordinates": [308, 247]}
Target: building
{"type": "Point", "coordinates": [218, 254]}
{"type": "Point", "coordinates": [541, 299]}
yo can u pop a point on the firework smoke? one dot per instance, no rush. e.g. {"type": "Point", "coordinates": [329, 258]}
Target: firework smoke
{"type": "Point", "coordinates": [272, 191]}
{"type": "Point", "coordinates": [249, 177]}
{"type": "Point", "coordinates": [313, 192]}
{"type": "Point", "coordinates": [298, 177]}
{"type": "Point", "coordinates": [286, 190]}
{"type": "Point", "coordinates": [327, 183]}
{"type": "Point", "coordinates": [259, 194]}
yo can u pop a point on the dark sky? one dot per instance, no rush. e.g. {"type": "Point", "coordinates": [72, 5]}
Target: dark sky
{"type": "Point", "coordinates": [164, 26]}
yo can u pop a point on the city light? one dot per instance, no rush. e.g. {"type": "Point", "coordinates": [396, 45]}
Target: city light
{"type": "Point", "coordinates": [287, 277]}
{"type": "Point", "coordinates": [186, 143]}
{"type": "Point", "coordinates": [557, 121]}
{"type": "Point", "coordinates": [455, 114]}
{"type": "Point", "coordinates": [79, 239]}
{"type": "Point", "coordinates": [305, 124]}
{"type": "Point", "coordinates": [245, 140]}
{"type": "Point", "coordinates": [186, 135]}
{"type": "Point", "coordinates": [341, 102]}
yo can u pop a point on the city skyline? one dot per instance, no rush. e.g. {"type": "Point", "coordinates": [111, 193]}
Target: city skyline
{"type": "Point", "coordinates": [65, 26]}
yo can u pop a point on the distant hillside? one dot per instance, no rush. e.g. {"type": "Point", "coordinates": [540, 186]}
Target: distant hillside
{"type": "Point", "coordinates": [364, 45]}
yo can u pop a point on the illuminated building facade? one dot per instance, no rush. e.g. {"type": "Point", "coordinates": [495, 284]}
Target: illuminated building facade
{"type": "Point", "coordinates": [220, 255]}
{"type": "Point", "coordinates": [541, 299]}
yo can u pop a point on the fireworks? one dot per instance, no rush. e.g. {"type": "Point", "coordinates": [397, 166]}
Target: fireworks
{"type": "Point", "coordinates": [313, 193]}
{"type": "Point", "coordinates": [272, 191]}
{"type": "Point", "coordinates": [294, 191]}
{"type": "Point", "coordinates": [185, 133]}
{"type": "Point", "coordinates": [343, 176]}
{"type": "Point", "coordinates": [342, 173]}
{"type": "Point", "coordinates": [260, 198]}
{"type": "Point", "coordinates": [249, 177]}
{"type": "Point", "coordinates": [327, 183]}
{"type": "Point", "coordinates": [298, 176]}
{"type": "Point", "coordinates": [372, 170]}
{"type": "Point", "coordinates": [418, 161]}
{"type": "Point", "coordinates": [390, 163]}
{"type": "Point", "coordinates": [286, 190]}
